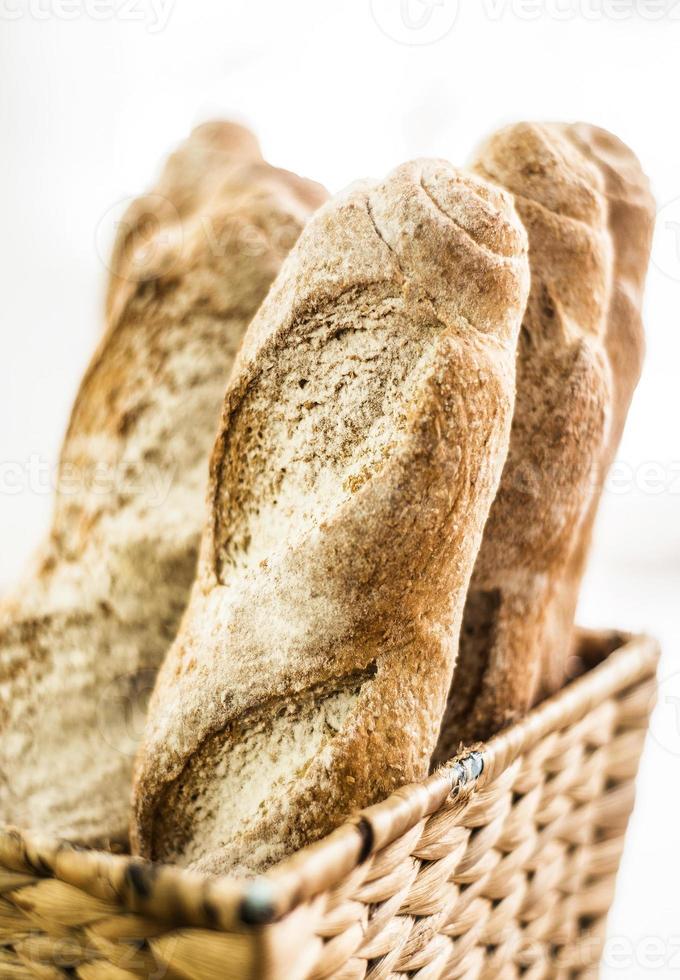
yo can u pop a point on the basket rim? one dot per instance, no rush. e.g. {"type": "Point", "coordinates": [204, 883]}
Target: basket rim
{"type": "Point", "coordinates": [225, 903]}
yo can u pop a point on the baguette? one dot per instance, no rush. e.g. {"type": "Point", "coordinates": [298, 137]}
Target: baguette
{"type": "Point", "coordinates": [82, 636]}
{"type": "Point", "coordinates": [631, 212]}
{"type": "Point", "coordinates": [363, 436]}
{"type": "Point", "coordinates": [569, 413]}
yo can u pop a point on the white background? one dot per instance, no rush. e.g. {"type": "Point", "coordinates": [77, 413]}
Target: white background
{"type": "Point", "coordinates": [93, 93]}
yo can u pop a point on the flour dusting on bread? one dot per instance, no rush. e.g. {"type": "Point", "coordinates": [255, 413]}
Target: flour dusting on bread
{"type": "Point", "coordinates": [361, 442]}
{"type": "Point", "coordinates": [83, 634]}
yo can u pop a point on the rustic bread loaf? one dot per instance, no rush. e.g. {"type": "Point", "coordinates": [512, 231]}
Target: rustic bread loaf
{"type": "Point", "coordinates": [631, 212]}
{"type": "Point", "coordinates": [363, 436]}
{"type": "Point", "coordinates": [574, 383]}
{"type": "Point", "coordinates": [82, 636]}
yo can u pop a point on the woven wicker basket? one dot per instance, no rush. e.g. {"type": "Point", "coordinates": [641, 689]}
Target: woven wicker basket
{"type": "Point", "coordinates": [500, 865]}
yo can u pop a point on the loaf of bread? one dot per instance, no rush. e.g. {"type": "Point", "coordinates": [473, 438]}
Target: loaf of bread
{"type": "Point", "coordinates": [82, 636]}
{"type": "Point", "coordinates": [578, 359]}
{"type": "Point", "coordinates": [363, 437]}
{"type": "Point", "coordinates": [631, 211]}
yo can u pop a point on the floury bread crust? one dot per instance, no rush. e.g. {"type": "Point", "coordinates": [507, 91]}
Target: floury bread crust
{"type": "Point", "coordinates": [82, 636]}
{"type": "Point", "coordinates": [363, 436]}
{"type": "Point", "coordinates": [631, 210]}
{"type": "Point", "coordinates": [587, 211]}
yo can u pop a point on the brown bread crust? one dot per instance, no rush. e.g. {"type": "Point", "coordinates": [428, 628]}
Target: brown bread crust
{"type": "Point", "coordinates": [631, 210]}
{"type": "Point", "coordinates": [362, 440]}
{"type": "Point", "coordinates": [587, 210]}
{"type": "Point", "coordinates": [82, 636]}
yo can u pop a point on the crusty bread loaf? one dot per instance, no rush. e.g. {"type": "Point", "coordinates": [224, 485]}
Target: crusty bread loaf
{"type": "Point", "coordinates": [82, 636]}
{"type": "Point", "coordinates": [631, 212]}
{"type": "Point", "coordinates": [363, 436]}
{"type": "Point", "coordinates": [573, 389]}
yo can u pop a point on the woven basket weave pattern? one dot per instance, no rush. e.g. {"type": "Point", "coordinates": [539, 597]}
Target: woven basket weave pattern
{"type": "Point", "coordinates": [501, 865]}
